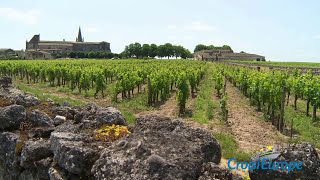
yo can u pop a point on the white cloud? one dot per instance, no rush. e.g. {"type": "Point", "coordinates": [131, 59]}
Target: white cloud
{"type": "Point", "coordinates": [91, 29]}
{"type": "Point", "coordinates": [317, 36]}
{"type": "Point", "coordinates": [216, 42]}
{"type": "Point", "coordinates": [28, 17]}
{"type": "Point", "coordinates": [187, 37]}
{"type": "Point", "coordinates": [172, 27]}
{"type": "Point", "coordinates": [172, 37]}
{"type": "Point", "coordinates": [198, 26]}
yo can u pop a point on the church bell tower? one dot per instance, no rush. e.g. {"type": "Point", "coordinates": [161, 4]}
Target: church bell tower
{"type": "Point", "coordinates": [79, 38]}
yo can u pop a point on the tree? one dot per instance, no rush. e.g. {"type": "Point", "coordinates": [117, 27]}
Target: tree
{"type": "Point", "coordinates": [135, 49]}
{"type": "Point", "coordinates": [153, 51]}
{"type": "Point", "coordinates": [126, 52]}
{"type": "Point", "coordinates": [187, 54]}
{"type": "Point", "coordinates": [92, 55]}
{"type": "Point", "coordinates": [210, 47]}
{"type": "Point", "coordinates": [72, 55]}
{"type": "Point", "coordinates": [161, 51]}
{"type": "Point", "coordinates": [242, 52]}
{"type": "Point", "coordinates": [200, 47]}
{"type": "Point", "coordinates": [168, 50]}
{"type": "Point", "coordinates": [109, 55]}
{"type": "Point", "coordinates": [178, 51]}
{"type": "Point", "coordinates": [145, 50]}
{"type": "Point", "coordinates": [226, 47]}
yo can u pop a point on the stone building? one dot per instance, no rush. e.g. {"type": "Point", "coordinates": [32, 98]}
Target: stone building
{"type": "Point", "coordinates": [4, 52]}
{"type": "Point", "coordinates": [220, 54]}
{"type": "Point", "coordinates": [37, 48]}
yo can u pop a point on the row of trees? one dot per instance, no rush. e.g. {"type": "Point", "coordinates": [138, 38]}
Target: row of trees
{"type": "Point", "coordinates": [200, 47]}
{"type": "Point", "coordinates": [145, 51]}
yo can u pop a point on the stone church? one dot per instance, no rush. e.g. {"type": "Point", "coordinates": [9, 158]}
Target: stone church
{"type": "Point", "coordinates": [39, 49]}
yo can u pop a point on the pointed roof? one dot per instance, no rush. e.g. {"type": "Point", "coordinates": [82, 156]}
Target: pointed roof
{"type": "Point", "coordinates": [79, 39]}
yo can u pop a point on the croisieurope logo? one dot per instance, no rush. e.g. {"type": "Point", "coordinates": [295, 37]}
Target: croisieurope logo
{"type": "Point", "coordinates": [265, 159]}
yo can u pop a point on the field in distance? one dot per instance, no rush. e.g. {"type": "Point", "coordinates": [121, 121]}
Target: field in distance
{"type": "Point", "coordinates": [292, 64]}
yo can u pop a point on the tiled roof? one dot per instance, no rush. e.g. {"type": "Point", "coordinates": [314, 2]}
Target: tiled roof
{"type": "Point", "coordinates": [240, 55]}
{"type": "Point", "coordinates": [55, 44]}
{"type": "Point", "coordinates": [4, 49]}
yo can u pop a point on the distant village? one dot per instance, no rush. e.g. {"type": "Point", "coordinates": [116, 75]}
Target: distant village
{"type": "Point", "coordinates": [41, 49]}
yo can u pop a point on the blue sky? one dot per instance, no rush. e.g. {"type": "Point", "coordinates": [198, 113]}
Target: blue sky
{"type": "Point", "coordinates": [286, 30]}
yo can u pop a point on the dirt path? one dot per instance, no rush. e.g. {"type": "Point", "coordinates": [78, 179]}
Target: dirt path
{"type": "Point", "coordinates": [169, 108]}
{"type": "Point", "coordinates": [248, 126]}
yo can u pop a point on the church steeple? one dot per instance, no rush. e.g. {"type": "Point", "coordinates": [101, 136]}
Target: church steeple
{"type": "Point", "coordinates": [79, 38]}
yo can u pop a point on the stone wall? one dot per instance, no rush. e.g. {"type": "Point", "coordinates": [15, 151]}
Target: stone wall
{"type": "Point", "coordinates": [246, 58]}
{"type": "Point", "coordinates": [87, 47]}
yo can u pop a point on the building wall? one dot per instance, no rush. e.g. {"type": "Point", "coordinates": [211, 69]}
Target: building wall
{"type": "Point", "coordinates": [7, 52]}
{"type": "Point", "coordinates": [86, 47]}
{"type": "Point", "coordinates": [33, 43]}
{"type": "Point", "coordinates": [64, 48]}
{"type": "Point", "coordinates": [38, 55]}
{"type": "Point", "coordinates": [249, 58]}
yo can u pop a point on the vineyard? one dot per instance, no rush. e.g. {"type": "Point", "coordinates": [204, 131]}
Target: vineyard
{"type": "Point", "coordinates": [201, 91]}
{"type": "Point", "coordinates": [124, 76]}
{"type": "Point", "coordinates": [287, 64]}
{"type": "Point", "coordinates": [266, 89]}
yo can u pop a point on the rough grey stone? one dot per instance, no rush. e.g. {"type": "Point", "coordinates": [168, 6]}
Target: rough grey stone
{"type": "Point", "coordinates": [70, 153]}
{"type": "Point", "coordinates": [21, 98]}
{"type": "Point", "coordinates": [211, 171]}
{"type": "Point", "coordinates": [158, 148]}
{"type": "Point", "coordinates": [11, 117]}
{"type": "Point", "coordinates": [55, 173]}
{"type": "Point", "coordinates": [39, 118]}
{"type": "Point", "coordinates": [66, 103]}
{"type": "Point", "coordinates": [64, 111]}
{"type": "Point", "coordinates": [42, 167]}
{"type": "Point", "coordinates": [9, 157]}
{"type": "Point", "coordinates": [5, 81]}
{"type": "Point", "coordinates": [41, 132]}
{"type": "Point", "coordinates": [27, 175]}
{"type": "Point", "coordinates": [59, 120]}
{"type": "Point", "coordinates": [34, 151]}
{"type": "Point", "coordinates": [109, 116]}
{"type": "Point", "coordinates": [69, 126]}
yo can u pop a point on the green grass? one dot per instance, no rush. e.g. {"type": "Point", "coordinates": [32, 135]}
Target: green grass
{"type": "Point", "coordinates": [129, 116]}
{"type": "Point", "coordinates": [43, 94]}
{"type": "Point", "coordinates": [137, 103]}
{"type": "Point", "coordinates": [305, 129]}
{"type": "Point", "coordinates": [294, 64]}
{"type": "Point", "coordinates": [230, 148]}
{"type": "Point", "coordinates": [132, 105]}
{"type": "Point", "coordinates": [205, 107]}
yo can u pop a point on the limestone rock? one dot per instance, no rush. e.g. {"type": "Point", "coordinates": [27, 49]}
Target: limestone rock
{"type": "Point", "coordinates": [34, 151]}
{"type": "Point", "coordinates": [5, 81]}
{"type": "Point", "coordinates": [211, 171]}
{"type": "Point", "coordinates": [10, 145]}
{"type": "Point", "coordinates": [39, 118]}
{"type": "Point", "coordinates": [59, 120]}
{"type": "Point", "coordinates": [109, 116]}
{"type": "Point", "coordinates": [42, 167]}
{"type": "Point", "coordinates": [158, 148]}
{"type": "Point", "coordinates": [11, 117]}
{"type": "Point", "coordinates": [66, 103]}
{"type": "Point", "coordinates": [70, 153]}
